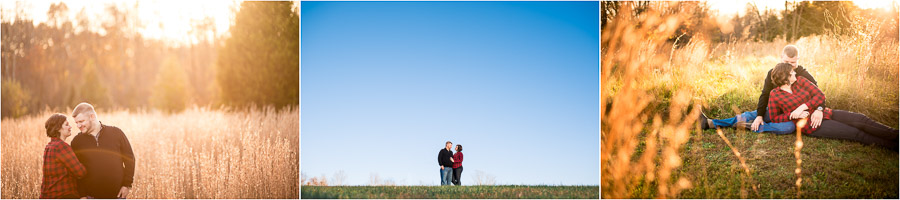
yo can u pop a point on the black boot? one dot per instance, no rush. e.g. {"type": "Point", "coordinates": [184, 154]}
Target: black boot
{"type": "Point", "coordinates": [704, 122]}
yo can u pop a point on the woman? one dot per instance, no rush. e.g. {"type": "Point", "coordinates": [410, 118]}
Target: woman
{"type": "Point", "coordinates": [457, 164]}
{"type": "Point", "coordinates": [61, 167]}
{"type": "Point", "coordinates": [795, 97]}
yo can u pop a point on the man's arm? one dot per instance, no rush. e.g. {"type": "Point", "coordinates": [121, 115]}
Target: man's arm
{"type": "Point", "coordinates": [764, 96]}
{"type": "Point", "coordinates": [128, 159]}
{"type": "Point", "coordinates": [802, 72]}
{"type": "Point", "coordinates": [76, 147]}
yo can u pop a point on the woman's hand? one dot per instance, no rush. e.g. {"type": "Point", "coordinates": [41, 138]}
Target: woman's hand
{"type": "Point", "coordinates": [816, 119]}
{"type": "Point", "coordinates": [796, 114]}
{"type": "Point", "coordinates": [803, 114]}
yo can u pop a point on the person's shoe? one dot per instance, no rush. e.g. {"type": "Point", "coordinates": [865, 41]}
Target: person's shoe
{"type": "Point", "coordinates": [743, 125]}
{"type": "Point", "coordinates": [704, 121]}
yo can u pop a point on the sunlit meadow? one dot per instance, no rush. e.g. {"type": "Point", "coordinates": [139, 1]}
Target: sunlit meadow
{"type": "Point", "coordinates": [199, 153]}
{"type": "Point", "coordinates": [648, 82]}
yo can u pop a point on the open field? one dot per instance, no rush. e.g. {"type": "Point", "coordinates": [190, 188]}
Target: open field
{"type": "Point", "coordinates": [451, 192]}
{"type": "Point", "coordinates": [198, 153]}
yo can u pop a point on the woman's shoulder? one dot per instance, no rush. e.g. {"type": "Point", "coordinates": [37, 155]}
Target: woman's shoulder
{"type": "Point", "coordinates": [55, 144]}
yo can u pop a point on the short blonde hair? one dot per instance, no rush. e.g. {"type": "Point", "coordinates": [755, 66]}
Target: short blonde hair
{"type": "Point", "coordinates": [83, 107]}
{"type": "Point", "coordinates": [791, 51]}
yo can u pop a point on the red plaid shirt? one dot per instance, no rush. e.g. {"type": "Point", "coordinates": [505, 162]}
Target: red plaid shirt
{"type": "Point", "coordinates": [457, 159]}
{"type": "Point", "coordinates": [61, 168]}
{"type": "Point", "coordinates": [782, 103]}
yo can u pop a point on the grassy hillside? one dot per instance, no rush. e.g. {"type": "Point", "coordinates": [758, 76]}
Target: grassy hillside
{"type": "Point", "coordinates": [450, 192]}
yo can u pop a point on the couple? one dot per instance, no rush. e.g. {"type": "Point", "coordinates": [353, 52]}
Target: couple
{"type": "Point", "coordinates": [790, 93]}
{"type": "Point", "coordinates": [99, 164]}
{"type": "Point", "coordinates": [450, 164]}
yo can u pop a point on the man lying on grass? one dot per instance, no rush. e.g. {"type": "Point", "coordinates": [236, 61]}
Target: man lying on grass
{"type": "Point", "coordinates": [760, 119]}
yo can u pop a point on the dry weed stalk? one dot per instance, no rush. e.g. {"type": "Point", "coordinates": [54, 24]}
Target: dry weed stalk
{"type": "Point", "coordinates": [742, 161]}
{"type": "Point", "coordinates": [797, 146]}
{"type": "Point", "coordinates": [631, 48]}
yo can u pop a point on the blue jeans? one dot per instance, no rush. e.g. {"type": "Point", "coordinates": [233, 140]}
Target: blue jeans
{"type": "Point", "coordinates": [446, 175]}
{"type": "Point", "coordinates": [776, 128]}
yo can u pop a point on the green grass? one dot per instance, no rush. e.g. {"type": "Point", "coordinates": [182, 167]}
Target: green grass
{"type": "Point", "coordinates": [450, 192]}
{"type": "Point", "coordinates": [830, 168]}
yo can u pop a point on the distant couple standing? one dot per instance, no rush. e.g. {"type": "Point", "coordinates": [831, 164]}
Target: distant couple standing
{"type": "Point", "coordinates": [451, 164]}
{"type": "Point", "coordinates": [99, 164]}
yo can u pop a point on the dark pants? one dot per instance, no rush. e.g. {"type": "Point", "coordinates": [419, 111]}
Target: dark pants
{"type": "Point", "coordinates": [456, 173]}
{"type": "Point", "coordinates": [857, 127]}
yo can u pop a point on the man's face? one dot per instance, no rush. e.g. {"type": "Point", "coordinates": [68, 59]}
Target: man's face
{"type": "Point", "coordinates": [84, 122]}
{"type": "Point", "coordinates": [793, 61]}
{"type": "Point", "coordinates": [448, 145]}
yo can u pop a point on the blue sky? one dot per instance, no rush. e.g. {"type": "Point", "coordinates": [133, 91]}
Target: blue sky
{"type": "Point", "coordinates": [385, 84]}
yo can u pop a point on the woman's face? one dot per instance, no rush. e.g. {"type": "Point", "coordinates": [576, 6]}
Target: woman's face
{"type": "Point", "coordinates": [793, 77]}
{"type": "Point", "coordinates": [65, 131]}
{"type": "Point", "coordinates": [457, 148]}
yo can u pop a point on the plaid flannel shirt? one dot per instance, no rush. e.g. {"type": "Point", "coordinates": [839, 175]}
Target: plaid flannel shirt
{"type": "Point", "coordinates": [457, 160]}
{"type": "Point", "coordinates": [61, 168]}
{"type": "Point", "coordinates": [782, 103]}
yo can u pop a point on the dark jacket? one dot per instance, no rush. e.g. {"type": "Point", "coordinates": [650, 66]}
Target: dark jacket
{"type": "Point", "coordinates": [109, 162]}
{"type": "Point", "coordinates": [768, 86]}
{"type": "Point", "coordinates": [444, 158]}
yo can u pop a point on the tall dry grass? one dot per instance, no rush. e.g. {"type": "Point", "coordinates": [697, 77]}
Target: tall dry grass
{"type": "Point", "coordinates": [630, 55]}
{"type": "Point", "coordinates": [798, 145]}
{"type": "Point", "coordinates": [644, 77]}
{"type": "Point", "coordinates": [199, 153]}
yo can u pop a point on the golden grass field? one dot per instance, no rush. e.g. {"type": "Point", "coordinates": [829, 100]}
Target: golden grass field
{"type": "Point", "coordinates": [652, 92]}
{"type": "Point", "coordinates": [199, 153]}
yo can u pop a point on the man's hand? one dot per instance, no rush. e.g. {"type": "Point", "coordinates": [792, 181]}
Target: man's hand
{"type": "Point", "coordinates": [799, 111]}
{"type": "Point", "coordinates": [123, 193]}
{"type": "Point", "coordinates": [442, 167]}
{"type": "Point", "coordinates": [756, 122]}
{"type": "Point", "coordinates": [816, 119]}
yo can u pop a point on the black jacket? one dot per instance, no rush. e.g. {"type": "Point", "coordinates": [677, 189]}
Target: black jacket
{"type": "Point", "coordinates": [444, 158]}
{"type": "Point", "coordinates": [768, 86]}
{"type": "Point", "coordinates": [109, 162]}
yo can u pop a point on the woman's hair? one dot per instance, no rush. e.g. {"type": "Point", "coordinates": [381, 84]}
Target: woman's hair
{"type": "Point", "coordinates": [458, 147]}
{"type": "Point", "coordinates": [53, 124]}
{"type": "Point", "coordinates": [781, 74]}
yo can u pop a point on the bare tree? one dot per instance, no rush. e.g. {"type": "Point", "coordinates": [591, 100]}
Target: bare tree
{"type": "Point", "coordinates": [339, 178]}
{"type": "Point", "coordinates": [374, 179]}
{"type": "Point", "coordinates": [482, 178]}
{"type": "Point", "coordinates": [303, 178]}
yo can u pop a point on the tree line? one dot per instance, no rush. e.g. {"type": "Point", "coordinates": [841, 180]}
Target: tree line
{"type": "Point", "coordinates": [60, 62]}
{"type": "Point", "coordinates": [795, 20]}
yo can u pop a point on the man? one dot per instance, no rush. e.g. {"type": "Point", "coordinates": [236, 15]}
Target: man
{"type": "Point", "coordinates": [445, 160]}
{"type": "Point", "coordinates": [761, 122]}
{"type": "Point", "coordinates": [106, 153]}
